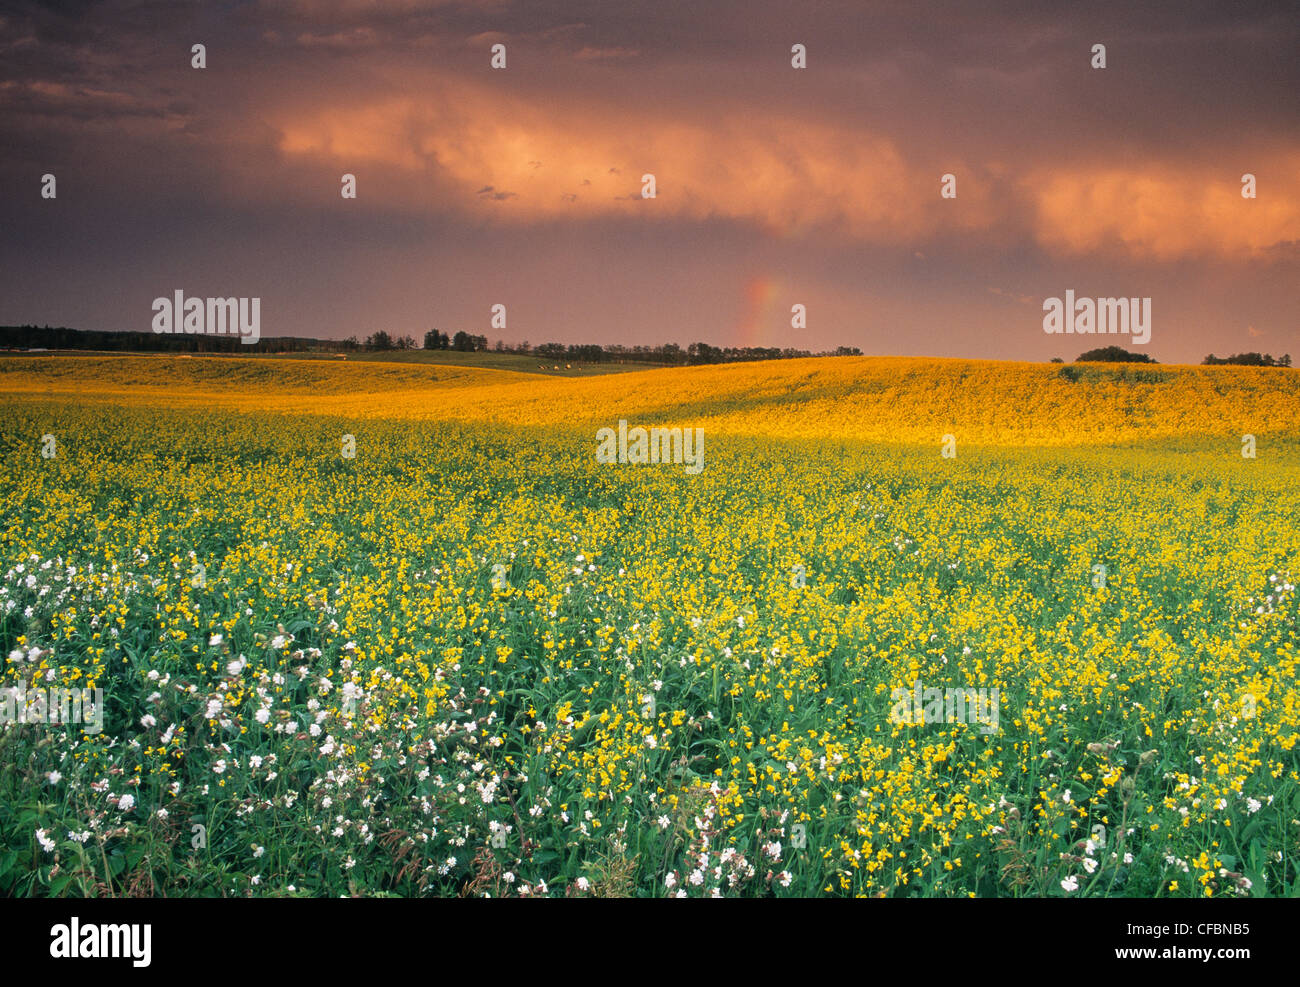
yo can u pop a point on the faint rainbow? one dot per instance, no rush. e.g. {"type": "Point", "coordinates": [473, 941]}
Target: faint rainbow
{"type": "Point", "coordinates": [759, 322]}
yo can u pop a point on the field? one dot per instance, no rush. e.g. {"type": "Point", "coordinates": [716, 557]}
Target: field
{"type": "Point", "coordinates": [470, 659]}
{"type": "Point", "coordinates": [489, 360]}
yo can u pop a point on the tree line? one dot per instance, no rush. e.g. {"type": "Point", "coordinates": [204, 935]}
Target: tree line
{"type": "Point", "coordinates": [1117, 354]}
{"type": "Point", "coordinates": [381, 341]}
{"type": "Point", "coordinates": [1248, 360]}
{"type": "Point", "coordinates": [671, 354]}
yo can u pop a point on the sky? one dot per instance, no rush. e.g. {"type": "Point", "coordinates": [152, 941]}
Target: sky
{"type": "Point", "coordinates": [775, 186]}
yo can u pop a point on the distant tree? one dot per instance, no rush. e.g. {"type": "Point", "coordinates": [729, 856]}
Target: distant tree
{"type": "Point", "coordinates": [378, 341]}
{"type": "Point", "coordinates": [405, 343]}
{"type": "Point", "coordinates": [1248, 360]}
{"type": "Point", "coordinates": [1113, 354]}
{"type": "Point", "coordinates": [1057, 359]}
{"type": "Point", "coordinates": [435, 340]}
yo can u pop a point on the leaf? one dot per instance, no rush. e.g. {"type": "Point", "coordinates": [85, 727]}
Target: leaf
{"type": "Point", "coordinates": [58, 885]}
{"type": "Point", "coordinates": [1251, 828]}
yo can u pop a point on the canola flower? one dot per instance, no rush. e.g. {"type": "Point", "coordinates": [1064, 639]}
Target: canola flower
{"type": "Point", "coordinates": [471, 660]}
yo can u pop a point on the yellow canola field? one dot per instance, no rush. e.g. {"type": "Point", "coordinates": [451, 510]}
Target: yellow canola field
{"type": "Point", "coordinates": [878, 399]}
{"type": "Point", "coordinates": [471, 659]}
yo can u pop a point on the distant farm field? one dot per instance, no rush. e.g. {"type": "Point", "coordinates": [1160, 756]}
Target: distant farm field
{"type": "Point", "coordinates": [484, 360]}
{"type": "Point", "coordinates": [390, 628]}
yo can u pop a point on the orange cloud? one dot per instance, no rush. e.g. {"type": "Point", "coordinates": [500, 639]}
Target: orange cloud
{"type": "Point", "coordinates": [1165, 212]}
{"type": "Point", "coordinates": [787, 176]}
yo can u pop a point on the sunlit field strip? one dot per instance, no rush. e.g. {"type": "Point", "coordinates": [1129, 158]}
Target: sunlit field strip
{"type": "Point", "coordinates": [881, 399]}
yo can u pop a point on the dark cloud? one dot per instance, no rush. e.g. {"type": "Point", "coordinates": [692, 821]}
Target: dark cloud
{"type": "Point", "coordinates": [821, 184]}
